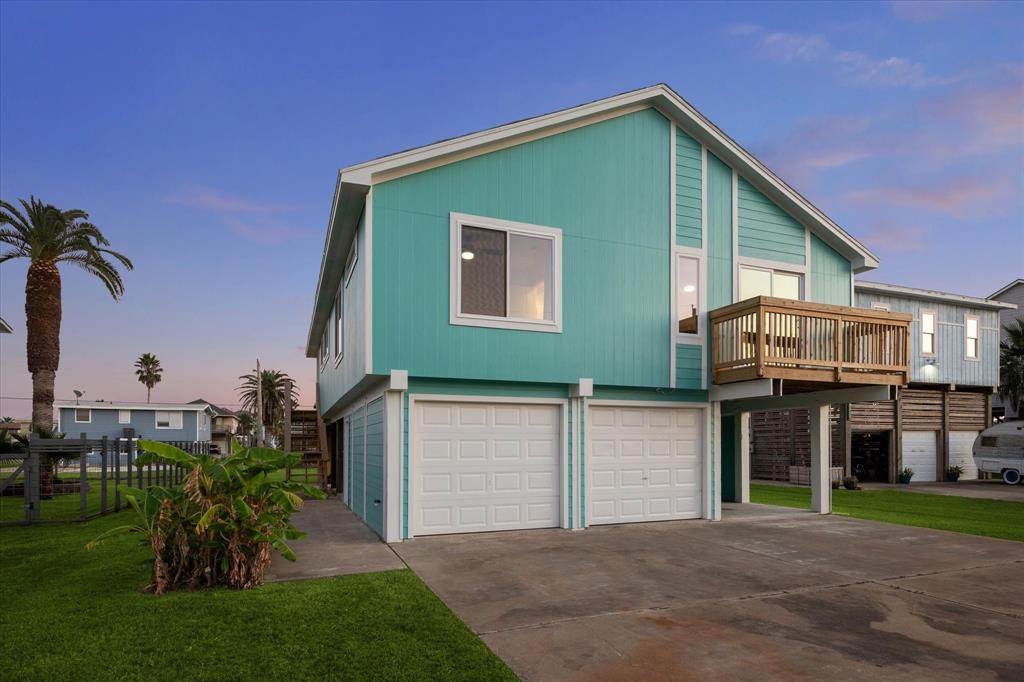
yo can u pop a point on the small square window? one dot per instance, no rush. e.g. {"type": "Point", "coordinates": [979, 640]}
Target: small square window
{"type": "Point", "coordinates": [168, 420]}
{"type": "Point", "coordinates": [83, 415]}
{"type": "Point", "coordinates": [124, 416]}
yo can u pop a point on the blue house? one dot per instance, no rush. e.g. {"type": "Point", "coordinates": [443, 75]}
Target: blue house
{"type": "Point", "coordinates": [565, 321]}
{"type": "Point", "coordinates": [153, 421]}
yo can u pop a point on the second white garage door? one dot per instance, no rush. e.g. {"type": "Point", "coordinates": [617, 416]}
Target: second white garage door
{"type": "Point", "coordinates": [644, 464]}
{"type": "Point", "coordinates": [919, 453]}
{"type": "Point", "coordinates": [961, 453]}
{"type": "Point", "coordinates": [484, 466]}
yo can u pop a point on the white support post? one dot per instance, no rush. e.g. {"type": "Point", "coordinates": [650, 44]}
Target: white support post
{"type": "Point", "coordinates": [743, 463]}
{"type": "Point", "coordinates": [713, 470]}
{"type": "Point", "coordinates": [821, 461]}
{"type": "Point", "coordinates": [393, 459]}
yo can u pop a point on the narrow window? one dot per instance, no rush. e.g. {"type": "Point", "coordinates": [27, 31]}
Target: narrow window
{"type": "Point", "coordinates": [688, 295]}
{"type": "Point", "coordinates": [350, 261]}
{"type": "Point", "coordinates": [325, 345]}
{"type": "Point", "coordinates": [124, 416]}
{"type": "Point", "coordinates": [927, 333]}
{"type": "Point", "coordinates": [339, 337]}
{"type": "Point", "coordinates": [971, 333]}
{"type": "Point", "coordinates": [83, 415]}
{"type": "Point", "coordinates": [505, 275]}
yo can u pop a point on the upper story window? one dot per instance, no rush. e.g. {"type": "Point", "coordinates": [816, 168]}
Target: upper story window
{"type": "Point", "coordinates": [168, 419]}
{"type": "Point", "coordinates": [124, 416]}
{"type": "Point", "coordinates": [928, 332]}
{"type": "Point", "coordinates": [325, 347]}
{"type": "Point", "coordinates": [339, 338]}
{"type": "Point", "coordinates": [350, 261]}
{"type": "Point", "coordinates": [755, 281]}
{"type": "Point", "coordinates": [83, 415]}
{"type": "Point", "coordinates": [971, 337]}
{"type": "Point", "coordinates": [505, 275]}
{"type": "Point", "coordinates": [688, 295]}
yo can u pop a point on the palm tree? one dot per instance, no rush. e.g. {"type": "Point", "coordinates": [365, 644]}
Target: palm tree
{"type": "Point", "coordinates": [1011, 366]}
{"type": "Point", "coordinates": [148, 370]}
{"type": "Point", "coordinates": [274, 386]}
{"type": "Point", "coordinates": [48, 236]}
{"type": "Point", "coordinates": [246, 424]}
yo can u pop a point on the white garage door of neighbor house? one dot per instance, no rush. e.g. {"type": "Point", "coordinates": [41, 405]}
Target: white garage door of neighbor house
{"type": "Point", "coordinates": [919, 452]}
{"type": "Point", "coordinates": [961, 453]}
{"type": "Point", "coordinates": [644, 464]}
{"type": "Point", "coordinates": [484, 466]}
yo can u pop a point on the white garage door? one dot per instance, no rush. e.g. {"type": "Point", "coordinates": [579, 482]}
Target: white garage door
{"type": "Point", "coordinates": [644, 464]}
{"type": "Point", "coordinates": [961, 446]}
{"type": "Point", "coordinates": [919, 454]}
{"type": "Point", "coordinates": [483, 466]}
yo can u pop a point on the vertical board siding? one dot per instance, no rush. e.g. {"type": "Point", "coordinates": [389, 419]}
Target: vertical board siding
{"type": "Point", "coordinates": [948, 365]}
{"type": "Point", "coordinates": [688, 366]}
{"type": "Point", "coordinates": [336, 380]}
{"type": "Point", "coordinates": [765, 230]}
{"type": "Point", "coordinates": [357, 427]}
{"type": "Point", "coordinates": [375, 465]}
{"type": "Point", "coordinates": [831, 275]}
{"type": "Point", "coordinates": [604, 185]}
{"type": "Point", "coordinates": [688, 183]}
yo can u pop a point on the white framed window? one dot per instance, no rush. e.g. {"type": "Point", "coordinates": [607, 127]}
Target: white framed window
{"type": "Point", "coordinates": [505, 275]}
{"type": "Point", "coordinates": [351, 259]}
{"type": "Point", "coordinates": [124, 416]}
{"type": "Point", "coordinates": [689, 296]}
{"type": "Point", "coordinates": [325, 347]}
{"type": "Point", "coordinates": [83, 415]}
{"type": "Point", "coordinates": [168, 419]}
{"type": "Point", "coordinates": [927, 332]}
{"type": "Point", "coordinates": [758, 281]}
{"type": "Point", "coordinates": [880, 306]}
{"type": "Point", "coordinates": [339, 315]}
{"type": "Point", "coordinates": [971, 348]}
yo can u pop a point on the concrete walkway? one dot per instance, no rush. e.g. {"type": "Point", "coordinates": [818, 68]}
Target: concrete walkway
{"type": "Point", "coordinates": [768, 593]}
{"type": "Point", "coordinates": [338, 544]}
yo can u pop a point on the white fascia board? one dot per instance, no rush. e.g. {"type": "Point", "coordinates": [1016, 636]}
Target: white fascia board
{"type": "Point", "coordinates": [930, 295]}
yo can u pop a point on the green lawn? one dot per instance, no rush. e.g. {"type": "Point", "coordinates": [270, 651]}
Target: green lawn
{"type": "Point", "coordinates": [69, 614]}
{"type": "Point", "coordinates": [992, 518]}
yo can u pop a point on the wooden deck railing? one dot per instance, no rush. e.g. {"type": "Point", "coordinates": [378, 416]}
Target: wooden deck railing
{"type": "Point", "coordinates": [776, 338]}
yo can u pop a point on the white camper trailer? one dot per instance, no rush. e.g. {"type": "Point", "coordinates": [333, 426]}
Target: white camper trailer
{"type": "Point", "coordinates": [1000, 450]}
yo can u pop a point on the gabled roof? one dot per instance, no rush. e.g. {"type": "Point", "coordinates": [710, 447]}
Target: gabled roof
{"type": "Point", "coordinates": [217, 411]}
{"type": "Point", "coordinates": [929, 295]}
{"type": "Point", "coordinates": [1007, 287]}
{"type": "Point", "coordinates": [355, 181]}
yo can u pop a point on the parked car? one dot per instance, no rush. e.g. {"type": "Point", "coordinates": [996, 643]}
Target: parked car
{"type": "Point", "coordinates": [1000, 450]}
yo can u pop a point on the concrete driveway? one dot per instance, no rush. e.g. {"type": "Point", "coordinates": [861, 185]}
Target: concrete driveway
{"type": "Point", "coordinates": [766, 593]}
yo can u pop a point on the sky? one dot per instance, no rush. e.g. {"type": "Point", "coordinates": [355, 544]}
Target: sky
{"type": "Point", "coordinates": [204, 139]}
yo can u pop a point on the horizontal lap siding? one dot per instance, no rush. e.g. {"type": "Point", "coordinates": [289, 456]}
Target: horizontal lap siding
{"type": "Point", "coordinates": [688, 366]}
{"type": "Point", "coordinates": [881, 415]}
{"type": "Point", "coordinates": [967, 411]}
{"type": "Point", "coordinates": [920, 410]}
{"type": "Point", "coordinates": [765, 230]}
{"type": "Point", "coordinates": [688, 191]}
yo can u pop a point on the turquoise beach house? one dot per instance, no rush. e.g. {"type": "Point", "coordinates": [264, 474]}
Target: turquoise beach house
{"type": "Point", "coordinates": [562, 322]}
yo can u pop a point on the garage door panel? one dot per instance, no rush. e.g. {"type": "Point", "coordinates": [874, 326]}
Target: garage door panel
{"type": "Point", "coordinates": [482, 466]}
{"type": "Point", "coordinates": [644, 464]}
{"type": "Point", "coordinates": [920, 454]}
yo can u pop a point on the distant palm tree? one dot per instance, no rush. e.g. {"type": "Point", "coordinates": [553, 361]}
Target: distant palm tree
{"type": "Point", "coordinates": [1011, 366]}
{"type": "Point", "coordinates": [149, 371]}
{"type": "Point", "coordinates": [48, 236]}
{"type": "Point", "coordinates": [246, 424]}
{"type": "Point", "coordinates": [273, 384]}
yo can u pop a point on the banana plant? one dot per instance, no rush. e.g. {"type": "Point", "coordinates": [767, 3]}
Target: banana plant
{"type": "Point", "coordinates": [220, 524]}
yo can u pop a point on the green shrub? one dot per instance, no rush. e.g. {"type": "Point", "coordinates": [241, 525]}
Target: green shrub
{"type": "Point", "coordinates": [219, 525]}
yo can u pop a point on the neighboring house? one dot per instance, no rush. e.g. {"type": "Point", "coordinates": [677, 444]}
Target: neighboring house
{"type": "Point", "coordinates": [224, 426]}
{"type": "Point", "coordinates": [1011, 293]}
{"type": "Point", "coordinates": [153, 421]}
{"type": "Point", "coordinates": [954, 369]}
{"type": "Point", "coordinates": [4, 327]}
{"type": "Point", "coordinates": [566, 321]}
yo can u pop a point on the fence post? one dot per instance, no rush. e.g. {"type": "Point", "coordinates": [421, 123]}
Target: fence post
{"type": "Point", "coordinates": [117, 474]}
{"type": "Point", "coordinates": [83, 478]}
{"type": "Point", "coordinates": [130, 449]}
{"type": "Point", "coordinates": [32, 483]}
{"type": "Point", "coordinates": [103, 476]}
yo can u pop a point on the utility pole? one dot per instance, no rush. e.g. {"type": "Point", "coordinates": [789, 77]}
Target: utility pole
{"type": "Point", "coordinates": [259, 405]}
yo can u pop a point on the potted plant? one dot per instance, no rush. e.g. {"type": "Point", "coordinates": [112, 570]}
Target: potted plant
{"type": "Point", "coordinates": [954, 473]}
{"type": "Point", "coordinates": [906, 475]}
{"type": "Point", "coordinates": [851, 483]}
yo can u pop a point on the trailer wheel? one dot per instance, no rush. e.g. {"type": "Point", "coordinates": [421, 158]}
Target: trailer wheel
{"type": "Point", "coordinates": [1011, 476]}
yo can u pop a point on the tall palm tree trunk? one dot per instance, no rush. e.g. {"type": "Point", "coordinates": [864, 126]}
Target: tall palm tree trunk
{"type": "Point", "coordinates": [149, 389]}
{"type": "Point", "coordinates": [42, 315]}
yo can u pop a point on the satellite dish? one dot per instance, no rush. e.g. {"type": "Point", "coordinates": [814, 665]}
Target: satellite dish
{"type": "Point", "coordinates": [78, 394]}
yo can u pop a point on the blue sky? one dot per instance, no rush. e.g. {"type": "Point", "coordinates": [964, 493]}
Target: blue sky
{"type": "Point", "coordinates": [204, 139]}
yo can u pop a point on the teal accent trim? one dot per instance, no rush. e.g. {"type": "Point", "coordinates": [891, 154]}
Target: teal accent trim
{"type": "Point", "coordinates": [375, 465]}
{"type": "Point", "coordinates": [583, 462]}
{"type": "Point", "coordinates": [831, 275]}
{"type": "Point", "coordinates": [688, 199]}
{"type": "Point", "coordinates": [605, 186]}
{"type": "Point", "coordinates": [689, 370]}
{"type": "Point", "coordinates": [495, 388]}
{"type": "Point", "coordinates": [569, 407]}
{"type": "Point", "coordinates": [765, 230]}
{"type": "Point", "coordinates": [666, 394]}
{"type": "Point", "coordinates": [405, 464]}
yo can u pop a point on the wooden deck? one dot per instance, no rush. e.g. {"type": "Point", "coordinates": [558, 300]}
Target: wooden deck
{"type": "Point", "coordinates": [774, 338]}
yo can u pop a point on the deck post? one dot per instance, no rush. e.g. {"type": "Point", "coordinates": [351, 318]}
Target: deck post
{"type": "Point", "coordinates": [821, 460]}
{"type": "Point", "coordinates": [742, 440]}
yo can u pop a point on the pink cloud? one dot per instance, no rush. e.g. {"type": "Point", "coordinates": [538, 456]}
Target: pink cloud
{"type": "Point", "coordinates": [212, 200]}
{"type": "Point", "coordinates": [991, 119]}
{"type": "Point", "coordinates": [268, 233]}
{"type": "Point", "coordinates": [925, 11]}
{"type": "Point", "coordinates": [952, 197]}
{"type": "Point", "coordinates": [894, 237]}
